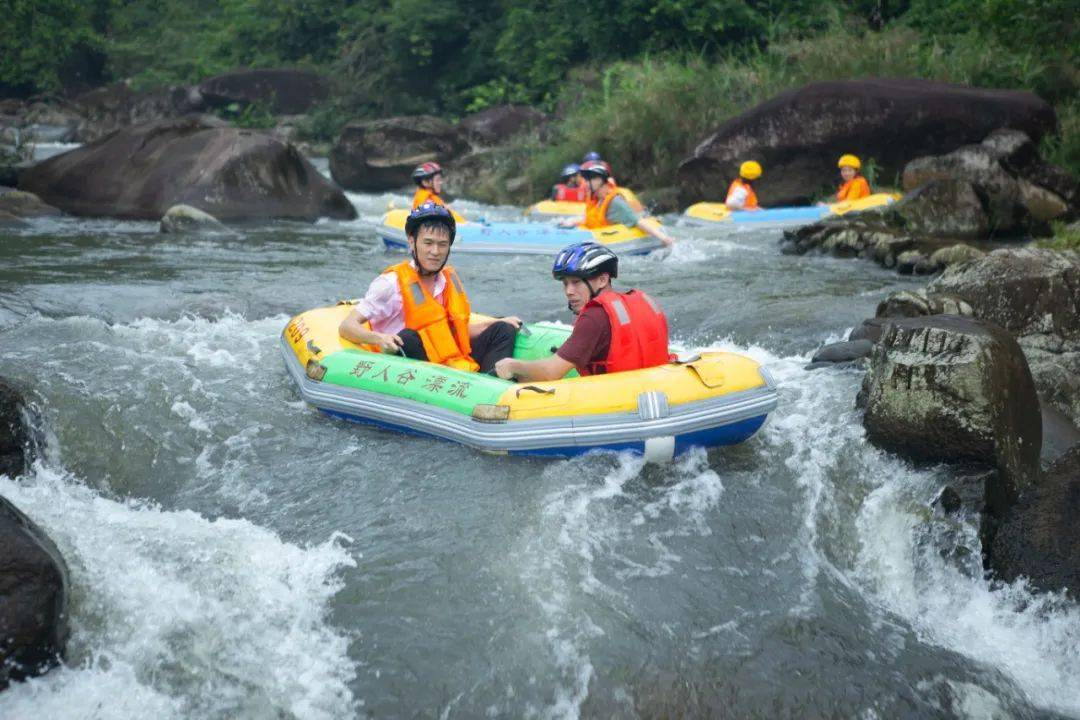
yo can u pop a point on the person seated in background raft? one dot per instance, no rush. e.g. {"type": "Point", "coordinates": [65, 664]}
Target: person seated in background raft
{"type": "Point", "coordinates": [572, 188]}
{"type": "Point", "coordinates": [855, 186]}
{"type": "Point", "coordinates": [614, 331]}
{"type": "Point", "coordinates": [419, 309]}
{"type": "Point", "coordinates": [610, 204]}
{"type": "Point", "coordinates": [741, 195]}
{"type": "Point", "coordinates": [428, 178]}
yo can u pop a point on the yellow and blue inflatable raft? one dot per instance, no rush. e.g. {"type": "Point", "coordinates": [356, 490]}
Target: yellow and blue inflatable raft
{"type": "Point", "coordinates": [713, 399]}
{"type": "Point", "coordinates": [720, 213]}
{"type": "Point", "coordinates": [563, 209]}
{"type": "Point", "coordinates": [523, 238]}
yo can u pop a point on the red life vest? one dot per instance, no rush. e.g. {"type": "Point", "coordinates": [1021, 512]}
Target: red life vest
{"type": "Point", "coordinates": [565, 193]}
{"type": "Point", "coordinates": [639, 333]}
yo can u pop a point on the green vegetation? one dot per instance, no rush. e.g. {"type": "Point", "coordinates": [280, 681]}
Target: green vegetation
{"type": "Point", "coordinates": [1065, 237]}
{"type": "Point", "coordinates": [638, 80]}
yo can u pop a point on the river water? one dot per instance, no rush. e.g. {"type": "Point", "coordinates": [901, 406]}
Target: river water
{"type": "Point", "coordinates": [235, 554]}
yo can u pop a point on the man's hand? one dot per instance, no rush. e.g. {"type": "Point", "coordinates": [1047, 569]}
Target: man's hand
{"type": "Point", "coordinates": [505, 368]}
{"type": "Point", "coordinates": [513, 320]}
{"type": "Point", "coordinates": [389, 343]}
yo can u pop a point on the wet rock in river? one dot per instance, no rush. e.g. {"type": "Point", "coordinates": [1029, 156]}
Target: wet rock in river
{"type": "Point", "coordinates": [140, 172]}
{"type": "Point", "coordinates": [949, 388]}
{"type": "Point", "coordinates": [378, 155]}
{"type": "Point", "coordinates": [842, 352]}
{"type": "Point", "coordinates": [1039, 537]}
{"type": "Point", "coordinates": [33, 575]}
{"type": "Point", "coordinates": [184, 218]}
{"type": "Point", "coordinates": [19, 204]}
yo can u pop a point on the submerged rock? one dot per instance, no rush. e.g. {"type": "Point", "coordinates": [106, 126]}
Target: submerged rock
{"type": "Point", "coordinates": [798, 135]}
{"type": "Point", "coordinates": [19, 204]}
{"type": "Point", "coordinates": [1039, 538]}
{"type": "Point", "coordinates": [840, 352]}
{"type": "Point", "coordinates": [379, 155]}
{"type": "Point", "coordinates": [949, 388]}
{"type": "Point", "coordinates": [140, 172]}
{"type": "Point", "coordinates": [184, 218]}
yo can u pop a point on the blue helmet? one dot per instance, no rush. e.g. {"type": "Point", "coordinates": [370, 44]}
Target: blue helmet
{"type": "Point", "coordinates": [570, 170]}
{"type": "Point", "coordinates": [430, 212]}
{"type": "Point", "coordinates": [585, 260]}
{"type": "Point", "coordinates": [591, 155]}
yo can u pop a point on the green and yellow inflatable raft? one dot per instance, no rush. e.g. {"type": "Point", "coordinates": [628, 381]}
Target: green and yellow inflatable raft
{"type": "Point", "coordinates": [713, 399]}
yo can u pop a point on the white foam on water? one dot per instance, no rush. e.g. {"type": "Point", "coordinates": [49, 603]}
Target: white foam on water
{"type": "Point", "coordinates": [174, 615]}
{"type": "Point", "coordinates": [1033, 638]}
{"type": "Point", "coordinates": [589, 525]}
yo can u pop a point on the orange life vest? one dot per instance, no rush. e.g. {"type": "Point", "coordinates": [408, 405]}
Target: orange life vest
{"type": "Point", "coordinates": [751, 197]}
{"type": "Point", "coordinates": [854, 189]}
{"type": "Point", "coordinates": [423, 195]}
{"type": "Point", "coordinates": [443, 327]}
{"type": "Point", "coordinates": [565, 193]}
{"type": "Point", "coordinates": [596, 212]}
{"type": "Point", "coordinates": [639, 333]}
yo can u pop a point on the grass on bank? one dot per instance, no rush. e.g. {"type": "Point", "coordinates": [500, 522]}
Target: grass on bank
{"type": "Point", "coordinates": [648, 115]}
{"type": "Point", "coordinates": [1065, 237]}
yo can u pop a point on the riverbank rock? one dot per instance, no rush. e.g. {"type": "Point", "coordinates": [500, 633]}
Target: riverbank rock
{"type": "Point", "coordinates": [378, 155]}
{"type": "Point", "coordinates": [112, 107]}
{"type": "Point", "coordinates": [19, 204]}
{"type": "Point", "coordinates": [492, 175]}
{"type": "Point", "coordinates": [496, 125]}
{"type": "Point", "coordinates": [184, 218]}
{"type": "Point", "coordinates": [281, 90]}
{"type": "Point", "coordinates": [1035, 295]}
{"type": "Point", "coordinates": [33, 598]}
{"type": "Point", "coordinates": [140, 172]}
{"type": "Point", "coordinates": [1039, 537]}
{"type": "Point", "coordinates": [949, 388]}
{"type": "Point", "coordinates": [798, 135]}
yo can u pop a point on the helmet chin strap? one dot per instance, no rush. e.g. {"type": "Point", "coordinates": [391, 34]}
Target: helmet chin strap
{"type": "Point", "coordinates": [593, 292]}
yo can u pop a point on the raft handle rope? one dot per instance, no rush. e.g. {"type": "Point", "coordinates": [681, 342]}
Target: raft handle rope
{"type": "Point", "coordinates": [534, 388]}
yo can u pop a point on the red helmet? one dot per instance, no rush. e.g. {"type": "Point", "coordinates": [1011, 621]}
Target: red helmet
{"type": "Point", "coordinates": [598, 168]}
{"type": "Point", "coordinates": [425, 171]}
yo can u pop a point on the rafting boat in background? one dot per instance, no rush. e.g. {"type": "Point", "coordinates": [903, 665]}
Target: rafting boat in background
{"type": "Point", "coordinates": [523, 238]}
{"type": "Point", "coordinates": [720, 213]}
{"type": "Point", "coordinates": [562, 209]}
{"type": "Point", "coordinates": [709, 400]}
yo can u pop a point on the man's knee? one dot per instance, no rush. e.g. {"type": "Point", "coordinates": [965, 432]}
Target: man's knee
{"type": "Point", "coordinates": [412, 345]}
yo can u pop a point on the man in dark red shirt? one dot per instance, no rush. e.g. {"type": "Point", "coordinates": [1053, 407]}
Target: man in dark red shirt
{"type": "Point", "coordinates": [614, 331]}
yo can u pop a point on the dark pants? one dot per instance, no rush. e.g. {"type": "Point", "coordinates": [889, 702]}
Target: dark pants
{"type": "Point", "coordinates": [488, 348]}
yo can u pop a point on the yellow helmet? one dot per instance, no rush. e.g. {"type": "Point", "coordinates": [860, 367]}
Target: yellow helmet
{"type": "Point", "coordinates": [750, 170]}
{"type": "Point", "coordinates": [849, 161]}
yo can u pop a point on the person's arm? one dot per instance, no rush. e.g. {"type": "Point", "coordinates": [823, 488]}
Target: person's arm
{"type": "Point", "coordinates": [352, 329]}
{"type": "Point", "coordinates": [651, 226]}
{"type": "Point", "coordinates": [478, 326]}
{"type": "Point", "coordinates": [552, 368]}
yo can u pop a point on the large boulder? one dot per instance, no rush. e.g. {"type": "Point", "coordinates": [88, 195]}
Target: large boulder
{"type": "Point", "coordinates": [33, 598]}
{"type": "Point", "coordinates": [798, 135]}
{"type": "Point", "coordinates": [281, 90]}
{"type": "Point", "coordinates": [950, 388]}
{"type": "Point", "coordinates": [379, 155]}
{"type": "Point", "coordinates": [1039, 538]}
{"type": "Point", "coordinates": [498, 124]}
{"type": "Point", "coordinates": [1035, 295]}
{"type": "Point", "coordinates": [140, 172]}
{"type": "Point", "coordinates": [994, 193]}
